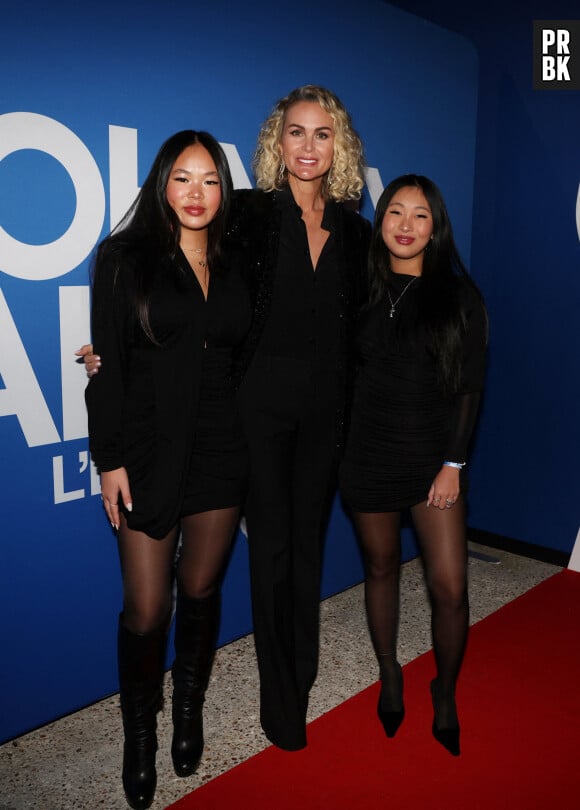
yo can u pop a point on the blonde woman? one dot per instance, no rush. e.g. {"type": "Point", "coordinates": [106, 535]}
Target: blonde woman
{"type": "Point", "coordinates": [304, 256]}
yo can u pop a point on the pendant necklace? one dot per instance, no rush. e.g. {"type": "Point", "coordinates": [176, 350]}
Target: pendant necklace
{"type": "Point", "coordinates": [394, 303]}
{"type": "Point", "coordinates": [202, 262]}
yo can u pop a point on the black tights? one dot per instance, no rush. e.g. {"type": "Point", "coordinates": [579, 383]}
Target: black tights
{"type": "Point", "coordinates": [147, 565]}
{"type": "Point", "coordinates": [441, 535]}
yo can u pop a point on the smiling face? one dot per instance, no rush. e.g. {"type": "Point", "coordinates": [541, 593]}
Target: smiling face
{"type": "Point", "coordinates": [193, 189]}
{"type": "Point", "coordinates": [307, 142]}
{"type": "Point", "coordinates": [406, 229]}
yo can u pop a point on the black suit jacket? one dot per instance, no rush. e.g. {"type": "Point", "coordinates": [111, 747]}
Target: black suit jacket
{"type": "Point", "coordinates": [252, 244]}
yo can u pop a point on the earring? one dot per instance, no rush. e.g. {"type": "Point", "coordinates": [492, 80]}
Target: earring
{"type": "Point", "coordinates": [329, 178]}
{"type": "Point", "coordinates": [281, 171]}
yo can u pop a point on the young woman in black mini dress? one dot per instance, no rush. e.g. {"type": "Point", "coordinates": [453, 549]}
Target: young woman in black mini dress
{"type": "Point", "coordinates": [166, 438]}
{"type": "Point", "coordinates": [421, 347]}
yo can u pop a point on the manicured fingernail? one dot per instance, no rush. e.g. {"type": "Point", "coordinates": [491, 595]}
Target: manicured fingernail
{"type": "Point", "coordinates": [129, 507]}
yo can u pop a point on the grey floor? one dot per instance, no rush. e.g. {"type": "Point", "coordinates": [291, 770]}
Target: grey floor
{"type": "Point", "coordinates": [74, 763]}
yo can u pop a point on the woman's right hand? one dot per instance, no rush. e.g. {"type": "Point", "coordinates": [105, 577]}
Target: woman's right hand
{"type": "Point", "coordinates": [92, 361]}
{"type": "Point", "coordinates": [115, 485]}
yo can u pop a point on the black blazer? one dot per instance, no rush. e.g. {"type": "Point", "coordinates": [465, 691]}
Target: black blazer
{"type": "Point", "coordinates": [252, 244]}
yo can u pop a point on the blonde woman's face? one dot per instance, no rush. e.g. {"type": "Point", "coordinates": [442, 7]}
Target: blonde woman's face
{"type": "Point", "coordinates": [307, 142]}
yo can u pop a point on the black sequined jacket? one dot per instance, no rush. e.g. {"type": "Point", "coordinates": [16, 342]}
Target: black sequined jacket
{"type": "Point", "coordinates": [252, 243]}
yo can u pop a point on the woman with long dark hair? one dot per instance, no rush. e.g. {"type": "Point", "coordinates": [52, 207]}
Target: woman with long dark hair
{"type": "Point", "coordinates": [421, 345]}
{"type": "Point", "coordinates": [166, 439]}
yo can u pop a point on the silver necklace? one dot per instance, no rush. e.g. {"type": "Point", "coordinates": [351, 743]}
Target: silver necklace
{"type": "Point", "coordinates": [394, 303]}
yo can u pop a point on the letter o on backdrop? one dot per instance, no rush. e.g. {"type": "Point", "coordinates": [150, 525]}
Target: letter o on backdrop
{"type": "Point", "coordinates": [24, 130]}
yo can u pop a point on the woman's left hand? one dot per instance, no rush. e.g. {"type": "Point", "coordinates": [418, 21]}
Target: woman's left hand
{"type": "Point", "coordinates": [92, 361]}
{"type": "Point", "coordinates": [444, 489]}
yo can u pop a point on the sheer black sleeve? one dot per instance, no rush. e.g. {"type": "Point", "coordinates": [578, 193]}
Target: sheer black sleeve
{"type": "Point", "coordinates": [466, 400]}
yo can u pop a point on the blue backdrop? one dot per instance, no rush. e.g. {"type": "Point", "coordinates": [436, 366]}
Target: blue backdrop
{"type": "Point", "coordinates": [87, 97]}
{"type": "Point", "coordinates": [525, 255]}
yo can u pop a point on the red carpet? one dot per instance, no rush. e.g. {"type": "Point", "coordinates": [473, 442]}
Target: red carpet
{"type": "Point", "coordinates": [519, 704]}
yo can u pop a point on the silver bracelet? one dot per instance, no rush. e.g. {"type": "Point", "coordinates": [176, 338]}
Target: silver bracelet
{"type": "Point", "coordinates": [454, 464]}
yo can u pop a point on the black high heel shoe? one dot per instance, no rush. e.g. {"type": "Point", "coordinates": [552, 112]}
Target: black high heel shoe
{"type": "Point", "coordinates": [447, 737]}
{"type": "Point", "coordinates": [391, 720]}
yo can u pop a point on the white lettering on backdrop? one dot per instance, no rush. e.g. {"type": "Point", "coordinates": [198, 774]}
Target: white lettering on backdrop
{"type": "Point", "coordinates": [39, 262]}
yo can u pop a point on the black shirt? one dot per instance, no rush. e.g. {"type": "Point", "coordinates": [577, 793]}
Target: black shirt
{"type": "Point", "coordinates": [303, 322]}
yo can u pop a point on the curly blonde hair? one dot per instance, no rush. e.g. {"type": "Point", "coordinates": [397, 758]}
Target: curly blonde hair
{"type": "Point", "coordinates": [345, 180]}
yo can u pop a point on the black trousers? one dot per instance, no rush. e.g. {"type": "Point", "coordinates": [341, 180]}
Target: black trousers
{"type": "Point", "coordinates": [289, 415]}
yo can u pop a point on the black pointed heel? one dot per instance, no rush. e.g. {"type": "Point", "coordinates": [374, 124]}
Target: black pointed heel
{"type": "Point", "coordinates": [391, 720]}
{"type": "Point", "coordinates": [447, 737]}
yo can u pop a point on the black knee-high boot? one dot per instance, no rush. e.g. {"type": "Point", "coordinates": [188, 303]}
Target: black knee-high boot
{"type": "Point", "coordinates": [141, 665]}
{"type": "Point", "coordinates": [196, 628]}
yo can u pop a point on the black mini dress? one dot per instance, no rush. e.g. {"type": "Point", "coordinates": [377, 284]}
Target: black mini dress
{"type": "Point", "coordinates": [403, 427]}
{"type": "Point", "coordinates": [165, 409]}
{"type": "Point", "coordinates": [219, 463]}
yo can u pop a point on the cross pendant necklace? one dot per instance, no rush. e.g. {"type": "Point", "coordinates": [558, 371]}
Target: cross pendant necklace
{"type": "Point", "coordinates": [394, 303]}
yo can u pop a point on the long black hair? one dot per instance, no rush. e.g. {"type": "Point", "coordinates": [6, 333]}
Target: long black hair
{"type": "Point", "coordinates": [439, 305]}
{"type": "Point", "coordinates": [150, 230]}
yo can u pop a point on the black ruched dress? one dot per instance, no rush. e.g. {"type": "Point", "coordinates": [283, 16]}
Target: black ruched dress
{"type": "Point", "coordinates": [402, 426]}
{"type": "Point", "coordinates": [218, 463]}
